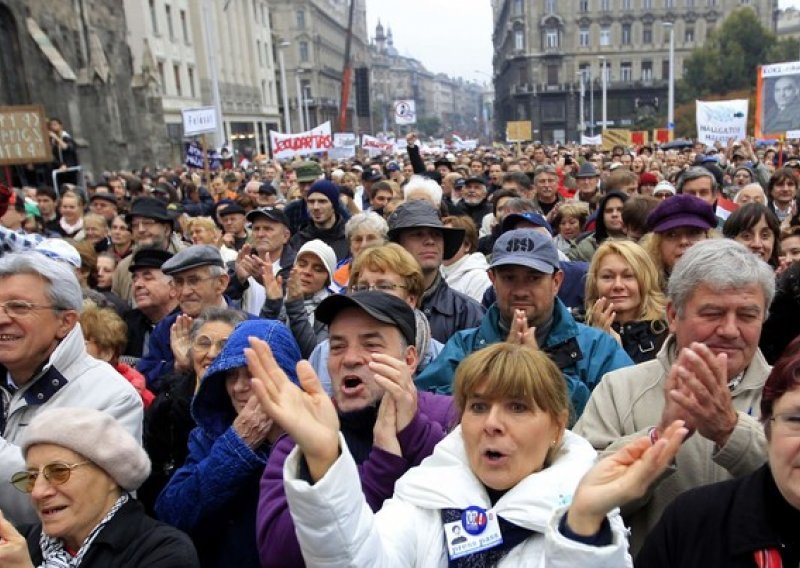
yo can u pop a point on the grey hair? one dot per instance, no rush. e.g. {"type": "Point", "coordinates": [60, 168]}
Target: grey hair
{"type": "Point", "coordinates": [693, 173]}
{"type": "Point", "coordinates": [221, 315]}
{"type": "Point", "coordinates": [216, 271]}
{"type": "Point", "coordinates": [367, 220]}
{"type": "Point", "coordinates": [719, 264]}
{"type": "Point", "coordinates": [754, 184]}
{"type": "Point", "coordinates": [429, 186]}
{"type": "Point", "coordinates": [62, 287]}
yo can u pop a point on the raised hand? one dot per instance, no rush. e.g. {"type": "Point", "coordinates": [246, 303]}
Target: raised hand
{"type": "Point", "coordinates": [621, 478]}
{"type": "Point", "coordinates": [13, 547]}
{"type": "Point", "coordinates": [180, 342]}
{"type": "Point", "coordinates": [307, 414]}
{"type": "Point", "coordinates": [294, 290]}
{"type": "Point", "coordinates": [603, 315]}
{"type": "Point", "coordinates": [243, 266]}
{"type": "Point", "coordinates": [395, 377]}
{"type": "Point", "coordinates": [384, 433]}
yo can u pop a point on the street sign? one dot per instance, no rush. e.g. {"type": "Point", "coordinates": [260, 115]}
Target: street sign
{"type": "Point", "coordinates": [24, 138]}
{"type": "Point", "coordinates": [199, 120]}
{"type": "Point", "coordinates": [405, 111]}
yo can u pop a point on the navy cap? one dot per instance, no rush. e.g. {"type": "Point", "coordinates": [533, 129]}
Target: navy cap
{"type": "Point", "coordinates": [525, 247]}
{"type": "Point", "coordinates": [380, 305]}
{"type": "Point", "coordinates": [510, 221]}
{"type": "Point", "coordinates": [232, 209]}
{"type": "Point", "coordinates": [193, 257]}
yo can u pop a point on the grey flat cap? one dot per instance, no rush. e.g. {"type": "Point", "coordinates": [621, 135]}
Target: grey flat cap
{"type": "Point", "coordinates": [192, 257]}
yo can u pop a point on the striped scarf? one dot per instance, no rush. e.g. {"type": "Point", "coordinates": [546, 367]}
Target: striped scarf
{"type": "Point", "coordinates": [56, 556]}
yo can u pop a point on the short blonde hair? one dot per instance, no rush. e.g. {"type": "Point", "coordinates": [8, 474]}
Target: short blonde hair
{"type": "Point", "coordinates": [105, 328]}
{"type": "Point", "coordinates": [390, 257]}
{"type": "Point", "coordinates": [204, 222]}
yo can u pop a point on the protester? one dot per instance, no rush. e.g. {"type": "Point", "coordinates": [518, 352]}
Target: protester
{"type": "Point", "coordinates": [756, 227]}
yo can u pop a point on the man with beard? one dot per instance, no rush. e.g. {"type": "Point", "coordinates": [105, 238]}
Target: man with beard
{"type": "Point", "coordinates": [388, 425]}
{"type": "Point", "coordinates": [474, 201]}
{"type": "Point", "coordinates": [322, 201]}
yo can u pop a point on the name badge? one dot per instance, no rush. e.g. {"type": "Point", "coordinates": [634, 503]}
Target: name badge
{"type": "Point", "coordinates": [477, 530]}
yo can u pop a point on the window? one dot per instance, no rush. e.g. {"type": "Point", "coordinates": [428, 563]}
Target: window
{"type": "Point", "coordinates": [255, 11]}
{"type": "Point", "coordinates": [184, 27]}
{"type": "Point", "coordinates": [264, 93]}
{"type": "Point", "coordinates": [168, 10]}
{"type": "Point", "coordinates": [690, 3]}
{"type": "Point", "coordinates": [551, 6]}
{"type": "Point", "coordinates": [519, 40]}
{"type": "Point", "coordinates": [303, 48]}
{"type": "Point", "coordinates": [191, 82]}
{"type": "Point", "coordinates": [162, 77]}
{"type": "Point", "coordinates": [605, 5]}
{"type": "Point", "coordinates": [258, 49]}
{"type": "Point", "coordinates": [711, 3]}
{"type": "Point", "coordinates": [551, 38]}
{"type": "Point", "coordinates": [647, 4]}
{"type": "Point", "coordinates": [552, 74]}
{"type": "Point", "coordinates": [647, 70]}
{"type": "Point", "coordinates": [626, 71]}
{"type": "Point", "coordinates": [647, 34]}
{"type": "Point", "coordinates": [626, 34]}
{"type": "Point", "coordinates": [605, 70]}
{"type": "Point", "coordinates": [669, 3]}
{"type": "Point", "coordinates": [627, 4]}
{"type": "Point", "coordinates": [665, 69]}
{"type": "Point", "coordinates": [153, 16]}
{"type": "Point", "coordinates": [605, 35]}
{"type": "Point", "coordinates": [519, 6]}
{"type": "Point", "coordinates": [583, 6]}
{"type": "Point", "coordinates": [301, 19]}
{"type": "Point", "coordinates": [585, 71]}
{"type": "Point", "coordinates": [583, 36]}
{"type": "Point", "coordinates": [176, 69]}
{"type": "Point", "coordinates": [689, 36]}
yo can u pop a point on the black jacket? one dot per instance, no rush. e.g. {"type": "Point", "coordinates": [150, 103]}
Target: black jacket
{"type": "Point", "coordinates": [723, 525]}
{"type": "Point", "coordinates": [131, 539]}
{"type": "Point", "coordinates": [641, 340]}
{"type": "Point", "coordinates": [333, 237]}
{"type": "Point", "coordinates": [449, 311]}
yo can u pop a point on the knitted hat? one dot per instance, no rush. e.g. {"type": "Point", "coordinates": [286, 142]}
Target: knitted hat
{"type": "Point", "coordinates": [326, 188]}
{"type": "Point", "coordinates": [95, 435]}
{"type": "Point", "coordinates": [322, 252]}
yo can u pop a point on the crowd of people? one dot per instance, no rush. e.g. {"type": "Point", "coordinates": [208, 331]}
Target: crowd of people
{"type": "Point", "coordinates": [538, 355]}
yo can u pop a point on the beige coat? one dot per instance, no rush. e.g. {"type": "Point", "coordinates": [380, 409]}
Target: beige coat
{"type": "Point", "coordinates": [627, 402]}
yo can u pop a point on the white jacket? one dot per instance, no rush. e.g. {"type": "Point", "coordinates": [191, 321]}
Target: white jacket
{"type": "Point", "coordinates": [71, 378]}
{"type": "Point", "coordinates": [468, 275]}
{"type": "Point", "coordinates": [335, 526]}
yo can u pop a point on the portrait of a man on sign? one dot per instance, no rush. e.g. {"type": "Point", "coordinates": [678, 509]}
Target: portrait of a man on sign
{"type": "Point", "coordinates": [779, 98]}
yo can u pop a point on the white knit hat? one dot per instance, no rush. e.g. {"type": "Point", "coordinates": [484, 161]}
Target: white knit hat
{"type": "Point", "coordinates": [664, 185]}
{"type": "Point", "coordinates": [95, 435]}
{"type": "Point", "coordinates": [321, 251]}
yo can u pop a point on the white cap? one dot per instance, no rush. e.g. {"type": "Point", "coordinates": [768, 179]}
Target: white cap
{"type": "Point", "coordinates": [664, 185]}
{"type": "Point", "coordinates": [59, 249]}
{"type": "Point", "coordinates": [322, 252]}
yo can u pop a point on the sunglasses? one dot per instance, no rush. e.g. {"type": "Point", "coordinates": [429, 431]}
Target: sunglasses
{"type": "Point", "coordinates": [56, 473]}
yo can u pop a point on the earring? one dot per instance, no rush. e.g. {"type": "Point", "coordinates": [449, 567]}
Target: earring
{"type": "Point", "coordinates": [553, 444]}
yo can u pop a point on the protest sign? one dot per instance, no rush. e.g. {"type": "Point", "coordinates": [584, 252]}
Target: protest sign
{"type": "Point", "coordinates": [719, 121]}
{"type": "Point", "coordinates": [318, 139]}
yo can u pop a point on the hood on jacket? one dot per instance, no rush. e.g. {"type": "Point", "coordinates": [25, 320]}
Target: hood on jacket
{"type": "Point", "coordinates": [468, 263]}
{"type": "Point", "coordinates": [212, 408]}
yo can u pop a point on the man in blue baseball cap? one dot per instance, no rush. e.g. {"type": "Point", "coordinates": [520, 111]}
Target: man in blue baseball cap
{"type": "Point", "coordinates": [526, 276]}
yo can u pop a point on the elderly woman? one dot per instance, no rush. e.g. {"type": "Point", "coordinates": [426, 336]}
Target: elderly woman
{"type": "Point", "coordinates": [362, 230]}
{"type": "Point", "coordinates": [95, 231]}
{"type": "Point", "coordinates": [214, 495]}
{"type": "Point", "coordinates": [623, 297]}
{"type": "Point", "coordinates": [492, 493]}
{"type": "Point", "coordinates": [675, 225]}
{"type": "Point", "coordinates": [81, 466]}
{"type": "Point", "coordinates": [754, 518]}
{"type": "Point", "coordinates": [756, 227]}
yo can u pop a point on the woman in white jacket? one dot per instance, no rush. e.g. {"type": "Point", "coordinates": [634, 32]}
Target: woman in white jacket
{"type": "Point", "coordinates": [502, 489]}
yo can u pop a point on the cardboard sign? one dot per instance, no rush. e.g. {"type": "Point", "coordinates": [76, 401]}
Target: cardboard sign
{"type": "Point", "coordinates": [318, 139]}
{"type": "Point", "coordinates": [519, 131]}
{"type": "Point", "coordinates": [24, 138]}
{"type": "Point", "coordinates": [616, 137]}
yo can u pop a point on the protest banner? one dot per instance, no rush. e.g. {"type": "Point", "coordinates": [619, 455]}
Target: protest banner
{"type": "Point", "coordinates": [519, 130]}
{"type": "Point", "coordinates": [616, 137]}
{"type": "Point", "coordinates": [317, 139]}
{"type": "Point", "coordinates": [777, 99]}
{"type": "Point", "coordinates": [719, 121]}
{"type": "Point", "coordinates": [344, 146]}
{"type": "Point", "coordinates": [591, 140]}
{"type": "Point", "coordinates": [375, 146]}
{"type": "Point", "coordinates": [24, 138]}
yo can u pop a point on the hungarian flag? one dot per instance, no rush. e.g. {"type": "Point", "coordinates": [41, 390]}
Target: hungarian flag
{"type": "Point", "coordinates": [725, 207]}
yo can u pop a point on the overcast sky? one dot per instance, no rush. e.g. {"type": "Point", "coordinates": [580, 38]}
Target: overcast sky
{"type": "Point", "coordinates": [447, 36]}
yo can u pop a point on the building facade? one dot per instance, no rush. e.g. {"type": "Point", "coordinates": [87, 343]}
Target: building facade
{"type": "Point", "coordinates": [544, 50]}
{"type": "Point", "coordinates": [312, 36]}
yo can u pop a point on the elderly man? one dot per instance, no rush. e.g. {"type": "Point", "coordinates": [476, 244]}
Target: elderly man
{"type": "Point", "coordinates": [372, 338]}
{"type": "Point", "coordinates": [474, 200]}
{"type": "Point", "coordinates": [416, 227]}
{"type": "Point", "coordinates": [526, 276]}
{"type": "Point", "coordinates": [587, 180]}
{"type": "Point", "coordinates": [45, 364]}
{"type": "Point", "coordinates": [709, 373]}
{"type": "Point", "coordinates": [545, 181]}
{"type": "Point", "coordinates": [104, 204]}
{"type": "Point", "coordinates": [155, 296]}
{"type": "Point", "coordinates": [235, 233]}
{"type": "Point", "coordinates": [199, 276]}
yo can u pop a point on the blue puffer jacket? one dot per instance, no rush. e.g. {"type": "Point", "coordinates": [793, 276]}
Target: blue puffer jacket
{"type": "Point", "coordinates": [584, 354]}
{"type": "Point", "coordinates": [213, 497]}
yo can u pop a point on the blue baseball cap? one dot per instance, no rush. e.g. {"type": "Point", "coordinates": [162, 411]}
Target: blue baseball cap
{"type": "Point", "coordinates": [525, 247]}
{"type": "Point", "coordinates": [536, 219]}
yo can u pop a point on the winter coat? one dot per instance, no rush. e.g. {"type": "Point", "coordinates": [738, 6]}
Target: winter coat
{"type": "Point", "coordinates": [583, 354]}
{"type": "Point", "coordinates": [69, 378]}
{"type": "Point", "coordinates": [628, 402]}
{"type": "Point", "coordinates": [293, 313]}
{"type": "Point", "coordinates": [449, 311]}
{"type": "Point", "coordinates": [376, 471]}
{"type": "Point", "coordinates": [723, 525]}
{"type": "Point", "coordinates": [333, 237]}
{"type": "Point", "coordinates": [468, 275]}
{"type": "Point", "coordinates": [334, 527]}
{"type": "Point", "coordinates": [131, 539]}
{"type": "Point", "coordinates": [642, 340]}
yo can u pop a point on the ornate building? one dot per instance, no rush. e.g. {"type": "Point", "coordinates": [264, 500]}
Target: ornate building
{"type": "Point", "coordinates": [544, 49]}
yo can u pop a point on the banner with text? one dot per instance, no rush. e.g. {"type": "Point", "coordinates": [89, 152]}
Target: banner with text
{"type": "Point", "coordinates": [318, 139]}
{"type": "Point", "coordinates": [344, 146]}
{"type": "Point", "coordinates": [375, 146]}
{"type": "Point", "coordinates": [777, 100]}
{"type": "Point", "coordinates": [719, 121]}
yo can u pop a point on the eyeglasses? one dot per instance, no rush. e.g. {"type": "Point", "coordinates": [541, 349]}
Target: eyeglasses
{"type": "Point", "coordinates": [191, 282]}
{"type": "Point", "coordinates": [203, 343]}
{"type": "Point", "coordinates": [387, 287]}
{"type": "Point", "coordinates": [21, 308]}
{"type": "Point", "coordinates": [56, 473]}
{"type": "Point", "coordinates": [789, 423]}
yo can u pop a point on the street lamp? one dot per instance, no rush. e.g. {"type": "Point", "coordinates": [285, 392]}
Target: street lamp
{"type": "Point", "coordinates": [287, 123]}
{"type": "Point", "coordinates": [671, 89]}
{"type": "Point", "coordinates": [605, 87]}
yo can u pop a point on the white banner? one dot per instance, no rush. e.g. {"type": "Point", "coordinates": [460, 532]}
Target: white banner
{"type": "Point", "coordinates": [719, 121]}
{"type": "Point", "coordinates": [344, 146]}
{"type": "Point", "coordinates": [405, 111]}
{"type": "Point", "coordinates": [591, 140]}
{"type": "Point", "coordinates": [318, 139]}
{"type": "Point", "coordinates": [199, 120]}
{"type": "Point", "coordinates": [376, 146]}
